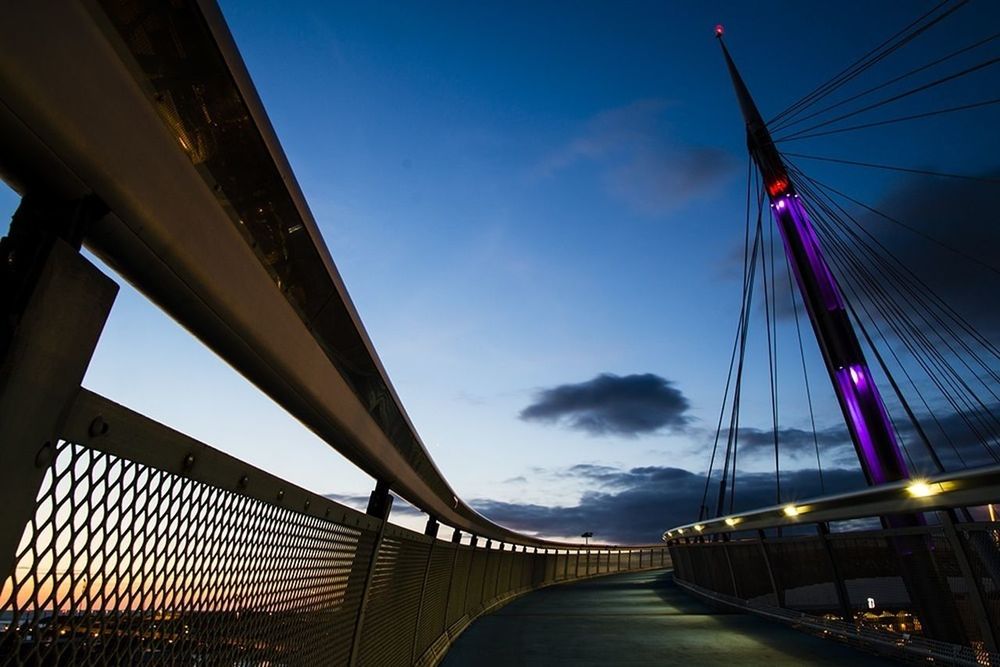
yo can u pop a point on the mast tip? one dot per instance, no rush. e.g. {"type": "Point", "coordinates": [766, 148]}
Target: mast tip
{"type": "Point", "coordinates": [719, 29]}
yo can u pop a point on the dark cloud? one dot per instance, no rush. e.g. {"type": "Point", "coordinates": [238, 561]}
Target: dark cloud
{"type": "Point", "coordinates": [360, 503]}
{"type": "Point", "coordinates": [752, 440]}
{"type": "Point", "coordinates": [957, 438]}
{"type": "Point", "coordinates": [641, 163]}
{"type": "Point", "coordinates": [962, 214]}
{"type": "Point", "coordinates": [629, 405]}
{"type": "Point", "coordinates": [651, 499]}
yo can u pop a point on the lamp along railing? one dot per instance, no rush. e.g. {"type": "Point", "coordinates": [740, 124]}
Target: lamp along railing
{"type": "Point", "coordinates": [826, 565]}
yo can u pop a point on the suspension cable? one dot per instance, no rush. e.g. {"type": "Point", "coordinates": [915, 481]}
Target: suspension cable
{"type": "Point", "coordinates": [854, 69]}
{"type": "Point", "coordinates": [805, 372]}
{"type": "Point", "coordinates": [886, 84]}
{"type": "Point", "coordinates": [797, 136]}
{"type": "Point", "coordinates": [889, 167]}
{"type": "Point", "coordinates": [899, 96]}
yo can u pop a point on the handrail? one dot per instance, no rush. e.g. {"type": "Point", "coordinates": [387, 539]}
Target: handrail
{"type": "Point", "coordinates": [217, 234]}
{"type": "Point", "coordinates": [966, 488]}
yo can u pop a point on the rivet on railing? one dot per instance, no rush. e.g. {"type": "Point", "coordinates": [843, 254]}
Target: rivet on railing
{"type": "Point", "coordinates": [244, 480]}
{"type": "Point", "coordinates": [98, 427]}
{"type": "Point", "coordinates": [45, 455]}
{"type": "Point", "coordinates": [281, 494]}
{"type": "Point", "coordinates": [188, 461]}
{"type": "Point", "coordinates": [307, 503]}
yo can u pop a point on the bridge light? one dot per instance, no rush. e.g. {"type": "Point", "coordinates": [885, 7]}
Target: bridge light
{"type": "Point", "coordinates": [680, 531]}
{"type": "Point", "coordinates": [777, 186]}
{"type": "Point", "coordinates": [791, 510]}
{"type": "Point", "coordinates": [732, 521]}
{"type": "Point", "coordinates": [699, 527]}
{"type": "Point", "coordinates": [921, 489]}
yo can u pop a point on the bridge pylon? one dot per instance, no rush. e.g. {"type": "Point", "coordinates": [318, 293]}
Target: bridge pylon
{"type": "Point", "coordinates": [860, 401]}
{"type": "Point", "coordinates": [864, 412]}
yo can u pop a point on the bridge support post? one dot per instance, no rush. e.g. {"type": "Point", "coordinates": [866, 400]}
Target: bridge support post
{"type": "Point", "coordinates": [496, 588]}
{"type": "Point", "coordinates": [729, 564]}
{"type": "Point", "coordinates": [843, 600]}
{"type": "Point", "coordinates": [423, 591]}
{"type": "Point", "coordinates": [379, 506]}
{"type": "Point", "coordinates": [54, 306]}
{"type": "Point", "coordinates": [762, 542]}
{"type": "Point", "coordinates": [976, 598]}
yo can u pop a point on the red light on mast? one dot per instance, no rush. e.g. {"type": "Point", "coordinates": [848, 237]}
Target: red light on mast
{"type": "Point", "coordinates": [777, 186]}
{"type": "Point", "coordinates": [719, 30]}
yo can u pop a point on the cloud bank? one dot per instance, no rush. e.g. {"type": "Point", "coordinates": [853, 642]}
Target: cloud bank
{"type": "Point", "coordinates": [636, 505]}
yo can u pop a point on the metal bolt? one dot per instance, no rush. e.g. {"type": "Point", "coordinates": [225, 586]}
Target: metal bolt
{"type": "Point", "coordinates": [189, 461]}
{"type": "Point", "coordinates": [307, 504]}
{"type": "Point", "coordinates": [98, 427]}
{"type": "Point", "coordinates": [281, 494]}
{"type": "Point", "coordinates": [45, 455]}
{"type": "Point", "coordinates": [244, 480]}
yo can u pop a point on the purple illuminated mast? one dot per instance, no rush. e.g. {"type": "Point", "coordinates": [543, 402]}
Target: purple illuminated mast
{"type": "Point", "coordinates": [859, 398]}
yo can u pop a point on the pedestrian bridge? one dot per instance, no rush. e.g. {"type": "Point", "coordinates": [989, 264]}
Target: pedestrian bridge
{"type": "Point", "coordinates": [636, 619]}
{"type": "Point", "coordinates": [132, 128]}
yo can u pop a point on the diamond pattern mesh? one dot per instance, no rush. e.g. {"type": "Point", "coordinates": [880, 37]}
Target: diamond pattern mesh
{"type": "Point", "coordinates": [126, 563]}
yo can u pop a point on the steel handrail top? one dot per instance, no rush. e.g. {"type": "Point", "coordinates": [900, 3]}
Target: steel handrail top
{"type": "Point", "coordinates": [966, 488]}
{"type": "Point", "coordinates": [148, 107]}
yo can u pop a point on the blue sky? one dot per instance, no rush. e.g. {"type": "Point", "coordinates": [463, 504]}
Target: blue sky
{"type": "Point", "coordinates": [522, 196]}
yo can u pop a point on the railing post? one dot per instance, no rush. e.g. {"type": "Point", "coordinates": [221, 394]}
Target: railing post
{"type": "Point", "coordinates": [432, 529]}
{"type": "Point", "coordinates": [473, 543]}
{"type": "Point", "coordinates": [456, 539]}
{"type": "Point", "coordinates": [379, 506]}
{"type": "Point", "coordinates": [496, 588]}
{"type": "Point", "coordinates": [778, 597]}
{"type": "Point", "coordinates": [729, 564]}
{"type": "Point", "coordinates": [971, 580]}
{"type": "Point", "coordinates": [838, 582]}
{"type": "Point", "coordinates": [54, 305]}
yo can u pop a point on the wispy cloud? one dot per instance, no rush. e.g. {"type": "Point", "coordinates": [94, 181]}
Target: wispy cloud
{"type": "Point", "coordinates": [629, 405]}
{"type": "Point", "coordinates": [640, 162]}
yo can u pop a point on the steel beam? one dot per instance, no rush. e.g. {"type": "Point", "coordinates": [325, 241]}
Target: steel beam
{"type": "Point", "coordinates": [47, 355]}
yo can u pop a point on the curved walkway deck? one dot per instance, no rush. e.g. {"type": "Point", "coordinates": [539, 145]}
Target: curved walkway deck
{"type": "Point", "coordinates": [636, 619]}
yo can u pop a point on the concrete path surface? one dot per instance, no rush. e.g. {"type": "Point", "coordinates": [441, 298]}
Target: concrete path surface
{"type": "Point", "coordinates": [636, 619]}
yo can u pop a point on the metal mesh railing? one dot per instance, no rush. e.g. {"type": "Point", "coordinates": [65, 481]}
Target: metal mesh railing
{"type": "Point", "coordinates": [146, 547]}
{"type": "Point", "coordinates": [125, 563]}
{"type": "Point", "coordinates": [939, 583]}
